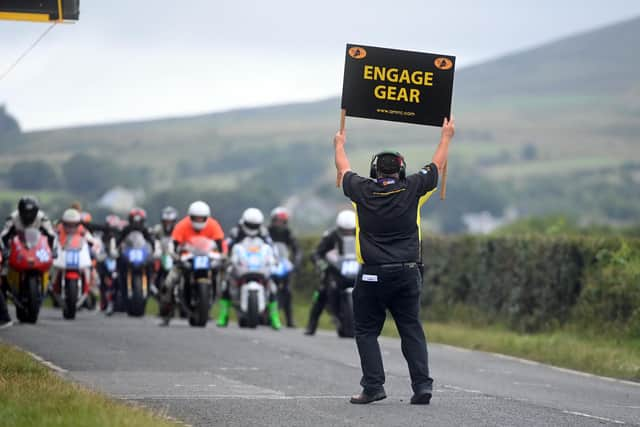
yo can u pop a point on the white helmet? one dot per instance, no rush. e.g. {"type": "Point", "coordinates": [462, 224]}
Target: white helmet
{"type": "Point", "coordinates": [71, 218]}
{"type": "Point", "coordinates": [199, 212]}
{"type": "Point", "coordinates": [251, 221]}
{"type": "Point", "coordinates": [346, 220]}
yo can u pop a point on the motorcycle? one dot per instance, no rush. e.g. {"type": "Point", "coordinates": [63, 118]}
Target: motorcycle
{"type": "Point", "coordinates": [136, 257]}
{"type": "Point", "coordinates": [72, 285]}
{"type": "Point", "coordinates": [108, 274]}
{"type": "Point", "coordinates": [200, 262]}
{"type": "Point", "coordinates": [30, 259]}
{"type": "Point", "coordinates": [280, 273]}
{"type": "Point", "coordinates": [342, 271]}
{"type": "Point", "coordinates": [252, 261]}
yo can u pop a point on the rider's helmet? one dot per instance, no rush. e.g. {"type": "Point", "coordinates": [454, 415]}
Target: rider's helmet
{"type": "Point", "coordinates": [71, 219]}
{"type": "Point", "coordinates": [280, 216]}
{"type": "Point", "coordinates": [169, 218]}
{"type": "Point", "coordinates": [112, 221]}
{"type": "Point", "coordinates": [28, 210]}
{"type": "Point", "coordinates": [251, 221]}
{"type": "Point", "coordinates": [137, 217]}
{"type": "Point", "coordinates": [198, 213]}
{"type": "Point", "coordinates": [346, 222]}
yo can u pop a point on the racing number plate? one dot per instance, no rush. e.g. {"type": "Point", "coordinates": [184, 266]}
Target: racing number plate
{"type": "Point", "coordinates": [72, 259]}
{"type": "Point", "coordinates": [350, 268]}
{"type": "Point", "coordinates": [201, 262]}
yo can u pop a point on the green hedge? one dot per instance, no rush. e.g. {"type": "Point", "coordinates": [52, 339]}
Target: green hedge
{"type": "Point", "coordinates": [529, 283]}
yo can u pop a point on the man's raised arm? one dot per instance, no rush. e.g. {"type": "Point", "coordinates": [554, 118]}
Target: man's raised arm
{"type": "Point", "coordinates": [442, 152]}
{"type": "Point", "coordinates": [342, 162]}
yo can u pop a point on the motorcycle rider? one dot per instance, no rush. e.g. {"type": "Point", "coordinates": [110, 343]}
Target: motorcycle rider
{"type": "Point", "coordinates": [70, 225]}
{"type": "Point", "coordinates": [250, 225]}
{"type": "Point", "coordinates": [332, 239]}
{"type": "Point", "coordinates": [28, 214]}
{"type": "Point", "coordinates": [109, 234]}
{"type": "Point", "coordinates": [280, 232]}
{"type": "Point", "coordinates": [168, 220]}
{"type": "Point", "coordinates": [198, 222]}
{"type": "Point", "coordinates": [137, 222]}
{"type": "Point", "coordinates": [162, 234]}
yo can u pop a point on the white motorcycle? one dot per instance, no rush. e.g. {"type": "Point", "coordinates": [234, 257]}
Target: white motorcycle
{"type": "Point", "coordinates": [252, 261]}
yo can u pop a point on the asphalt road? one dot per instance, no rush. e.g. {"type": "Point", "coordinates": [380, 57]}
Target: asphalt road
{"type": "Point", "coordinates": [239, 377]}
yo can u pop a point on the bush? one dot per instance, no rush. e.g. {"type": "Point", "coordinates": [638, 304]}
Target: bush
{"type": "Point", "coordinates": [530, 283]}
{"type": "Point", "coordinates": [33, 175]}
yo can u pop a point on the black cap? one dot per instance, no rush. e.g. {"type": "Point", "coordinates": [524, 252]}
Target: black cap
{"type": "Point", "coordinates": [389, 163]}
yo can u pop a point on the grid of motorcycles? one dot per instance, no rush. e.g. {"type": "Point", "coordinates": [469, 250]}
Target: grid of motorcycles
{"type": "Point", "coordinates": [81, 276]}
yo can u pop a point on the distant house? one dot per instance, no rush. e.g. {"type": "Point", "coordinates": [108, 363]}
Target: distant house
{"type": "Point", "coordinates": [120, 199]}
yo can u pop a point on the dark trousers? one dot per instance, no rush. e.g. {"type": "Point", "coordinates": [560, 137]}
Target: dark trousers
{"type": "Point", "coordinates": [397, 289]}
{"type": "Point", "coordinates": [284, 298]}
{"type": "Point", "coordinates": [4, 311]}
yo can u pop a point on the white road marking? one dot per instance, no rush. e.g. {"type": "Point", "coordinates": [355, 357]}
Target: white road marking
{"type": "Point", "coordinates": [453, 387]}
{"type": "Point", "coordinates": [224, 396]}
{"type": "Point", "coordinates": [250, 368]}
{"type": "Point", "coordinates": [46, 363]}
{"type": "Point", "coordinates": [565, 370]}
{"type": "Point", "coordinates": [581, 414]}
{"type": "Point", "coordinates": [532, 384]}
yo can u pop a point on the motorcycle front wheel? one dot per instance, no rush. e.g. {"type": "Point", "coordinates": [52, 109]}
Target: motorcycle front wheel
{"type": "Point", "coordinates": [200, 312]}
{"type": "Point", "coordinates": [70, 298]}
{"type": "Point", "coordinates": [30, 300]}
{"type": "Point", "coordinates": [136, 304]}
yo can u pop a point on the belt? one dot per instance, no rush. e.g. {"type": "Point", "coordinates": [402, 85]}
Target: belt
{"type": "Point", "coordinates": [398, 265]}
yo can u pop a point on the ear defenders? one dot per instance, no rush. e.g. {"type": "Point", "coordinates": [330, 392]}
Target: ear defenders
{"type": "Point", "coordinates": [373, 172]}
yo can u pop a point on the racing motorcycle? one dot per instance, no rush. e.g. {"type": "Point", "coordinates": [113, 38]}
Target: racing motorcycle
{"type": "Point", "coordinates": [108, 273]}
{"type": "Point", "coordinates": [136, 258]}
{"type": "Point", "coordinates": [30, 259]}
{"type": "Point", "coordinates": [200, 262]}
{"type": "Point", "coordinates": [252, 261]}
{"type": "Point", "coordinates": [73, 265]}
{"type": "Point", "coordinates": [281, 271]}
{"type": "Point", "coordinates": [342, 271]}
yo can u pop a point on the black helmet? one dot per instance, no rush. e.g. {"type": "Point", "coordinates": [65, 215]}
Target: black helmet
{"type": "Point", "coordinates": [28, 210]}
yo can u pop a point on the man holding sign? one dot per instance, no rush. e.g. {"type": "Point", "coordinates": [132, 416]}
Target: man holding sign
{"type": "Point", "coordinates": [388, 237]}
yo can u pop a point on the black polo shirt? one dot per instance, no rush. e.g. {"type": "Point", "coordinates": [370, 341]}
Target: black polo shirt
{"type": "Point", "coordinates": [388, 215]}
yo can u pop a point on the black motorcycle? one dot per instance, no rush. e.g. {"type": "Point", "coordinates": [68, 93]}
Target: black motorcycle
{"type": "Point", "coordinates": [342, 271]}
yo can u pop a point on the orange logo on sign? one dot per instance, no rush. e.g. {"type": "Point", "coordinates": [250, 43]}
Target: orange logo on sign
{"type": "Point", "coordinates": [357, 52]}
{"type": "Point", "coordinates": [443, 63]}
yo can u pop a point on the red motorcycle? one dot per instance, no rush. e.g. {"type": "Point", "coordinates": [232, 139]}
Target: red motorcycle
{"type": "Point", "coordinates": [29, 262]}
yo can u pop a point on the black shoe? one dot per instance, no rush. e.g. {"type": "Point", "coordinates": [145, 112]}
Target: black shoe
{"type": "Point", "coordinates": [364, 398]}
{"type": "Point", "coordinates": [421, 398]}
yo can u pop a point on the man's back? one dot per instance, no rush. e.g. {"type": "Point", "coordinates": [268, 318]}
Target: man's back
{"type": "Point", "coordinates": [388, 211]}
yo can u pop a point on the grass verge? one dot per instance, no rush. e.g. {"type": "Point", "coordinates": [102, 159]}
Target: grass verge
{"type": "Point", "coordinates": [31, 395]}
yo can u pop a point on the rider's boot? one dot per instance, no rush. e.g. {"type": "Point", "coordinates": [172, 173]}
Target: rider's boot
{"type": "Point", "coordinates": [314, 315]}
{"type": "Point", "coordinates": [285, 302]}
{"type": "Point", "coordinates": [274, 315]}
{"type": "Point", "coordinates": [223, 316]}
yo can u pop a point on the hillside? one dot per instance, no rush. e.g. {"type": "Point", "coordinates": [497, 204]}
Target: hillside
{"type": "Point", "coordinates": [555, 112]}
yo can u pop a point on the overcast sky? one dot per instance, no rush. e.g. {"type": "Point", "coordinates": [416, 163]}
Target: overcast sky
{"type": "Point", "coordinates": [127, 60]}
